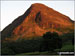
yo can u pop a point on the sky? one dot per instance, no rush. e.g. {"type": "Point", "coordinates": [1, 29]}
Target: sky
{"type": "Point", "coordinates": [10, 10]}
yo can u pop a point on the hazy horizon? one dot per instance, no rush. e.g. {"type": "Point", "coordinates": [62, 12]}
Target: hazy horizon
{"type": "Point", "coordinates": [10, 10]}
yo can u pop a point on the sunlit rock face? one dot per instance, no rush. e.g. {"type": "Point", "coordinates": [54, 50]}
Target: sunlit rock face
{"type": "Point", "coordinates": [36, 21]}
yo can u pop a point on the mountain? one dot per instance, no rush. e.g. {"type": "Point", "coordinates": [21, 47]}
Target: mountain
{"type": "Point", "coordinates": [36, 21]}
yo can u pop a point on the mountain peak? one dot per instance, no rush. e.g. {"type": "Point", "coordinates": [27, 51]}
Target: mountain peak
{"type": "Point", "coordinates": [37, 4]}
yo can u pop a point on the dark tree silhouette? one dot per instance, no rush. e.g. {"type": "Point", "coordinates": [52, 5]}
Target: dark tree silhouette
{"type": "Point", "coordinates": [57, 40]}
{"type": "Point", "coordinates": [51, 41]}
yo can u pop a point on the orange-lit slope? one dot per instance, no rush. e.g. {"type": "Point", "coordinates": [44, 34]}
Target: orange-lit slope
{"type": "Point", "coordinates": [37, 20]}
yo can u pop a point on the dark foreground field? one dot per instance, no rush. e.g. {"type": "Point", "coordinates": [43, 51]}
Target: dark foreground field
{"type": "Point", "coordinates": [32, 46]}
{"type": "Point", "coordinates": [65, 48]}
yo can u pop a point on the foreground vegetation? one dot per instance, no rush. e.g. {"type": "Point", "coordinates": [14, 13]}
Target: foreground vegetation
{"type": "Point", "coordinates": [32, 46]}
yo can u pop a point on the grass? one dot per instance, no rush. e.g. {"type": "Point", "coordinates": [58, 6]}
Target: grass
{"type": "Point", "coordinates": [39, 53]}
{"type": "Point", "coordinates": [66, 48]}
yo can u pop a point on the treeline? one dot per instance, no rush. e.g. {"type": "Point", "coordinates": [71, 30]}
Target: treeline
{"type": "Point", "coordinates": [20, 46]}
{"type": "Point", "coordinates": [48, 42]}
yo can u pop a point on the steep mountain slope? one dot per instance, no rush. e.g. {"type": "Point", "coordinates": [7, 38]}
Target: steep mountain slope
{"type": "Point", "coordinates": [36, 21]}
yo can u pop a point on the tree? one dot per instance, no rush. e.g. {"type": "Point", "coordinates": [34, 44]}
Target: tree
{"type": "Point", "coordinates": [51, 41]}
{"type": "Point", "coordinates": [57, 40]}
